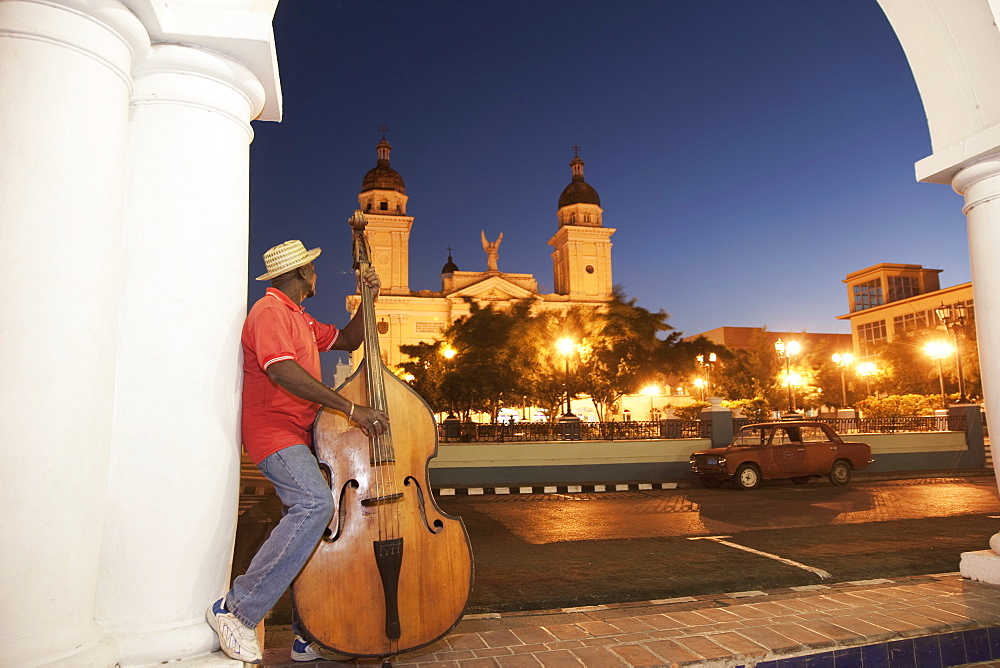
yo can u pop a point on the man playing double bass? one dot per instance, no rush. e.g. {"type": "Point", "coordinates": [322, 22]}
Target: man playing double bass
{"type": "Point", "coordinates": [282, 394]}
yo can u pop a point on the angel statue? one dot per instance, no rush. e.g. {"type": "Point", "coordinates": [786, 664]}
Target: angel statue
{"type": "Point", "coordinates": [492, 251]}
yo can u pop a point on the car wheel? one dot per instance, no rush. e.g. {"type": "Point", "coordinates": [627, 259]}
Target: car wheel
{"type": "Point", "coordinates": [801, 480]}
{"type": "Point", "coordinates": [747, 476]}
{"type": "Point", "coordinates": [840, 474]}
{"type": "Point", "coordinates": [711, 483]}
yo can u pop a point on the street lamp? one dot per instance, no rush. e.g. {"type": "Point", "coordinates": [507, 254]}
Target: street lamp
{"type": "Point", "coordinates": [565, 346]}
{"type": "Point", "coordinates": [866, 370]}
{"type": "Point", "coordinates": [843, 360]}
{"type": "Point", "coordinates": [448, 353]}
{"type": "Point", "coordinates": [707, 364]}
{"type": "Point", "coordinates": [953, 318]}
{"type": "Point", "coordinates": [938, 350]}
{"type": "Point", "coordinates": [700, 384]}
{"type": "Point", "coordinates": [650, 391]}
{"type": "Point", "coordinates": [787, 351]}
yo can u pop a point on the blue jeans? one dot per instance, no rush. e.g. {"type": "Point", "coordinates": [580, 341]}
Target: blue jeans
{"type": "Point", "coordinates": [308, 501]}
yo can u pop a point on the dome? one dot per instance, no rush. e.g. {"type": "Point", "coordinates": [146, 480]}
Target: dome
{"type": "Point", "coordinates": [382, 176]}
{"type": "Point", "coordinates": [450, 267]}
{"type": "Point", "coordinates": [578, 191]}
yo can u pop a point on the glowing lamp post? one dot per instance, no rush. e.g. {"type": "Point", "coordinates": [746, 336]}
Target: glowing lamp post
{"type": "Point", "coordinates": [448, 353]}
{"type": "Point", "coordinates": [700, 384]}
{"type": "Point", "coordinates": [650, 391]}
{"type": "Point", "coordinates": [565, 346]}
{"type": "Point", "coordinates": [707, 364]}
{"type": "Point", "coordinates": [787, 351]}
{"type": "Point", "coordinates": [953, 318]}
{"type": "Point", "coordinates": [843, 360]}
{"type": "Point", "coordinates": [938, 350]}
{"type": "Point", "coordinates": [866, 370]}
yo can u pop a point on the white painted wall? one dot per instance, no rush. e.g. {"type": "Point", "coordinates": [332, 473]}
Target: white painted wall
{"type": "Point", "coordinates": [953, 47]}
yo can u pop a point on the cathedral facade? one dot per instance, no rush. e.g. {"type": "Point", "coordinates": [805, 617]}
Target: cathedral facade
{"type": "Point", "coordinates": [581, 260]}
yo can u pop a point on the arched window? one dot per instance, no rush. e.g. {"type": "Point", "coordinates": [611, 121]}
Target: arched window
{"type": "Point", "coordinates": [572, 219]}
{"type": "Point", "coordinates": [383, 205]}
{"type": "Point", "coordinates": [369, 207]}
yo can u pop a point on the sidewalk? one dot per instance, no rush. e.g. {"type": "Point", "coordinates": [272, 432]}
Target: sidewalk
{"type": "Point", "coordinates": [921, 621]}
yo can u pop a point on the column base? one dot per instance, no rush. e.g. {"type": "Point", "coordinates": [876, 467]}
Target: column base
{"type": "Point", "coordinates": [104, 652]}
{"type": "Point", "coordinates": [981, 565]}
{"type": "Point", "coordinates": [177, 645]}
{"type": "Point", "coordinates": [213, 660]}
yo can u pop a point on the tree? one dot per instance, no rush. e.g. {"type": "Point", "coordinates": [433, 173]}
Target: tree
{"type": "Point", "coordinates": [486, 372]}
{"type": "Point", "coordinates": [428, 367]}
{"type": "Point", "coordinates": [619, 350]}
{"type": "Point", "coordinates": [543, 376]}
{"type": "Point", "coordinates": [753, 373]}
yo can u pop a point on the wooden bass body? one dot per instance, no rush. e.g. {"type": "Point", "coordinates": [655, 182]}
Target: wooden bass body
{"type": "Point", "coordinates": [393, 572]}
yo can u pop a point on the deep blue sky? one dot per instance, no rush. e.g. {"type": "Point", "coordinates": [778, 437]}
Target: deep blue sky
{"type": "Point", "coordinates": [750, 154]}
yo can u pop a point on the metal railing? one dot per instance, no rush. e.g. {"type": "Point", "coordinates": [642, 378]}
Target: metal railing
{"type": "Point", "coordinates": [885, 425]}
{"type": "Point", "coordinates": [494, 432]}
{"type": "Point", "coordinates": [632, 430]}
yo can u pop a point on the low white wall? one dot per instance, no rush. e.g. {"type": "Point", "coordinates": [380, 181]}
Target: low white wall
{"type": "Point", "coordinates": [911, 442]}
{"type": "Point", "coordinates": [563, 453]}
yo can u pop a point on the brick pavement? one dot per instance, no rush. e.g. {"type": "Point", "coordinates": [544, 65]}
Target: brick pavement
{"type": "Point", "coordinates": [853, 624]}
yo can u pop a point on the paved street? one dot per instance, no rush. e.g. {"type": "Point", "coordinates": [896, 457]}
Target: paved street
{"type": "Point", "coordinates": [550, 551]}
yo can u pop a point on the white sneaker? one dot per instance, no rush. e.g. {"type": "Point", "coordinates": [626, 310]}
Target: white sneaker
{"type": "Point", "coordinates": [303, 650]}
{"type": "Point", "coordinates": [237, 640]}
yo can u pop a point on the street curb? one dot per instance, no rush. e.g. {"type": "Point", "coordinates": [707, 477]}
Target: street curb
{"type": "Point", "coordinates": [554, 489]}
{"type": "Point", "coordinates": [649, 485]}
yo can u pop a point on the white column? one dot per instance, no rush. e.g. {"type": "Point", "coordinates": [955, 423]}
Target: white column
{"type": "Point", "coordinates": [64, 91]}
{"type": "Point", "coordinates": [979, 183]}
{"type": "Point", "coordinates": [175, 464]}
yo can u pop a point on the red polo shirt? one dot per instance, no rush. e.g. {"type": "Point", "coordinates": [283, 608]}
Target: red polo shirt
{"type": "Point", "coordinates": [276, 329]}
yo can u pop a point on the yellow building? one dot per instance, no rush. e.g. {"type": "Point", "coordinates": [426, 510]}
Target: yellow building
{"type": "Point", "coordinates": [581, 261]}
{"type": "Point", "coordinates": [888, 300]}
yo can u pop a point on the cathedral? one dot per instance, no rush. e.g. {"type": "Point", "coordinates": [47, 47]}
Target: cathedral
{"type": "Point", "coordinates": [581, 260]}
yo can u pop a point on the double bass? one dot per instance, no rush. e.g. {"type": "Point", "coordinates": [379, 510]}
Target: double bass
{"type": "Point", "coordinates": [392, 572]}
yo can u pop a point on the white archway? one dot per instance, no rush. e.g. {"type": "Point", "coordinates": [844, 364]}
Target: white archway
{"type": "Point", "coordinates": [953, 47]}
{"type": "Point", "coordinates": [134, 137]}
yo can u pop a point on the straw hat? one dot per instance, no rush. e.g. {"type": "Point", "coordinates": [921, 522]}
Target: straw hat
{"type": "Point", "coordinates": [285, 257]}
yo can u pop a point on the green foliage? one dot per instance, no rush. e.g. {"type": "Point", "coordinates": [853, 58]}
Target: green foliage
{"type": "Point", "coordinates": [619, 350]}
{"type": "Point", "coordinates": [899, 405]}
{"type": "Point", "coordinates": [487, 371]}
{"type": "Point", "coordinates": [753, 372]}
{"type": "Point", "coordinates": [756, 409]}
{"type": "Point", "coordinates": [690, 411]}
{"type": "Point", "coordinates": [427, 366]}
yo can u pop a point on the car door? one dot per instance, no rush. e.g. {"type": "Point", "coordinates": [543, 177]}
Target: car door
{"type": "Point", "coordinates": [821, 451]}
{"type": "Point", "coordinates": [787, 454]}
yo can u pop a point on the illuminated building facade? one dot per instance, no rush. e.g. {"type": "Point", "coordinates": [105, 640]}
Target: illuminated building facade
{"type": "Point", "coordinates": [581, 260]}
{"type": "Point", "coordinates": [892, 300]}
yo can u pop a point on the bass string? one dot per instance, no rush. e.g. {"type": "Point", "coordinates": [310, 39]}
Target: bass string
{"type": "Point", "coordinates": [382, 455]}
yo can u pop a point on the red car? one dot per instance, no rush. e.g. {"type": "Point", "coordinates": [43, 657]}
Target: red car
{"type": "Point", "coordinates": [798, 450]}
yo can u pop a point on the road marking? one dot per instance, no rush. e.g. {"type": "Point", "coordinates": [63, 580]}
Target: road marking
{"type": "Point", "coordinates": [719, 539]}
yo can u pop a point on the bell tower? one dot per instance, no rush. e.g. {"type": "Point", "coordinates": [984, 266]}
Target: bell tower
{"type": "Point", "coordinates": [582, 257]}
{"type": "Point", "coordinates": [383, 201]}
